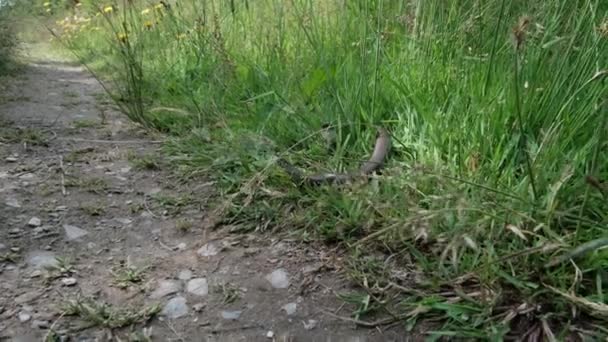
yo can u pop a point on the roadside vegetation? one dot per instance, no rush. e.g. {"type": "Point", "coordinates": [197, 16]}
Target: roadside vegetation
{"type": "Point", "coordinates": [8, 41]}
{"type": "Point", "coordinates": [489, 217]}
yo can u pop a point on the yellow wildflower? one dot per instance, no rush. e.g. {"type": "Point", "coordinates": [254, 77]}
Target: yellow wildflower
{"type": "Point", "coordinates": [46, 4]}
{"type": "Point", "coordinates": [148, 24]}
{"type": "Point", "coordinates": [123, 37]}
{"type": "Point", "coordinates": [48, 10]}
{"type": "Point", "coordinates": [146, 11]}
{"type": "Point", "coordinates": [108, 9]}
{"type": "Point", "coordinates": [159, 6]}
{"type": "Point", "coordinates": [181, 36]}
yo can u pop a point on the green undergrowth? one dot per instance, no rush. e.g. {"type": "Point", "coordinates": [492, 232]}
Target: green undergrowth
{"type": "Point", "coordinates": [491, 211]}
{"type": "Point", "coordinates": [8, 42]}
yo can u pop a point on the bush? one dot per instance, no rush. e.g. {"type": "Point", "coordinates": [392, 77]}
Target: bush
{"type": "Point", "coordinates": [8, 40]}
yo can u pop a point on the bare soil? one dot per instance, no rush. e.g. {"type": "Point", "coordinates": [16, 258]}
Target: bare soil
{"type": "Point", "coordinates": [79, 182]}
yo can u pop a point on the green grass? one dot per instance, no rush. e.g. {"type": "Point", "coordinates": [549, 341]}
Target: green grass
{"type": "Point", "coordinates": [498, 115]}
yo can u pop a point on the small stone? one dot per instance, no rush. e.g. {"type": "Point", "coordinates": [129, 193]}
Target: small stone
{"type": "Point", "coordinates": [73, 232]}
{"type": "Point", "coordinates": [27, 176]}
{"type": "Point", "coordinates": [198, 307]}
{"type": "Point", "coordinates": [11, 159]}
{"type": "Point", "coordinates": [184, 275]}
{"type": "Point", "coordinates": [40, 324]}
{"type": "Point", "coordinates": [13, 203]}
{"type": "Point", "coordinates": [27, 297]}
{"type": "Point", "coordinates": [124, 221]}
{"type": "Point", "coordinates": [39, 230]}
{"type": "Point", "coordinates": [36, 274]}
{"type": "Point", "coordinates": [290, 308]}
{"type": "Point", "coordinates": [69, 281]}
{"type": "Point", "coordinates": [34, 222]}
{"type": "Point", "coordinates": [209, 249]}
{"type": "Point", "coordinates": [2, 246]}
{"type": "Point", "coordinates": [165, 288]}
{"type": "Point", "coordinates": [278, 279]}
{"type": "Point", "coordinates": [232, 315]}
{"type": "Point", "coordinates": [24, 317]}
{"type": "Point", "coordinates": [311, 268]}
{"type": "Point", "coordinates": [175, 308]}
{"type": "Point", "coordinates": [270, 334]}
{"type": "Point", "coordinates": [198, 287]}
{"type": "Point", "coordinates": [154, 191]}
{"type": "Point", "coordinates": [311, 324]}
{"type": "Point", "coordinates": [182, 246]}
{"type": "Point", "coordinates": [61, 208]}
{"type": "Point", "coordinates": [125, 169]}
{"type": "Point", "coordinates": [41, 259]}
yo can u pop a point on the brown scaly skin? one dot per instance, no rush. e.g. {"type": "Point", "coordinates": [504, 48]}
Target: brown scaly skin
{"type": "Point", "coordinates": [375, 162]}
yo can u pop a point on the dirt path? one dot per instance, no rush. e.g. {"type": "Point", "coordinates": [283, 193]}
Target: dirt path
{"type": "Point", "coordinates": [89, 216]}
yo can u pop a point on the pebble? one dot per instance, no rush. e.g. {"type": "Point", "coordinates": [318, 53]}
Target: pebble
{"type": "Point", "coordinates": [270, 334]}
{"type": "Point", "coordinates": [165, 288]}
{"type": "Point", "coordinates": [233, 315]}
{"type": "Point", "coordinates": [69, 281]}
{"type": "Point", "coordinates": [13, 203]}
{"type": "Point", "coordinates": [209, 249]}
{"type": "Point", "coordinates": [27, 297]}
{"type": "Point", "coordinates": [198, 287]}
{"type": "Point", "coordinates": [311, 324]}
{"type": "Point", "coordinates": [73, 232]}
{"type": "Point", "coordinates": [124, 221]}
{"type": "Point", "coordinates": [154, 191]}
{"type": "Point", "coordinates": [182, 246]}
{"type": "Point", "coordinates": [175, 308]}
{"type": "Point", "coordinates": [290, 308]}
{"type": "Point", "coordinates": [40, 324]}
{"type": "Point", "coordinates": [198, 307]}
{"type": "Point", "coordinates": [24, 317]}
{"type": "Point", "coordinates": [184, 275]}
{"type": "Point", "coordinates": [278, 279]}
{"type": "Point", "coordinates": [11, 159]}
{"type": "Point", "coordinates": [41, 259]}
{"type": "Point", "coordinates": [34, 222]}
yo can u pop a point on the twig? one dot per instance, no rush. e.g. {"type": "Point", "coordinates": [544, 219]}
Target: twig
{"type": "Point", "coordinates": [47, 336]}
{"type": "Point", "coordinates": [217, 265]}
{"type": "Point", "coordinates": [114, 141]}
{"type": "Point", "coordinates": [63, 191]}
{"type": "Point", "coordinates": [242, 327]}
{"type": "Point", "coordinates": [162, 244]}
{"type": "Point", "coordinates": [366, 324]}
{"type": "Point", "coordinates": [148, 208]}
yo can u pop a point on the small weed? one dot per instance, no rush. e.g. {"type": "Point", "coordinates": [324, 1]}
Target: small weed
{"type": "Point", "coordinates": [106, 316]}
{"type": "Point", "coordinates": [78, 155]}
{"type": "Point", "coordinates": [135, 208]}
{"type": "Point", "coordinates": [85, 123]}
{"type": "Point", "coordinates": [9, 257]}
{"type": "Point", "coordinates": [229, 292]}
{"type": "Point", "coordinates": [146, 162]}
{"type": "Point", "coordinates": [126, 275]}
{"type": "Point", "coordinates": [173, 204]}
{"type": "Point", "coordinates": [92, 184]}
{"type": "Point", "coordinates": [29, 136]}
{"type": "Point", "coordinates": [93, 209]}
{"type": "Point", "coordinates": [70, 94]}
{"type": "Point", "coordinates": [63, 268]}
{"type": "Point", "coordinates": [183, 225]}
